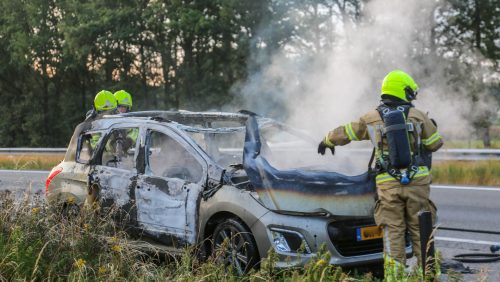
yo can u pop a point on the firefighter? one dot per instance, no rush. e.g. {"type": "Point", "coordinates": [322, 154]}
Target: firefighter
{"type": "Point", "coordinates": [124, 100]}
{"type": "Point", "coordinates": [400, 134]}
{"type": "Point", "coordinates": [104, 103]}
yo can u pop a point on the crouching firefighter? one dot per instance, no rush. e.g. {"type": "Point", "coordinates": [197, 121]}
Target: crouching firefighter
{"type": "Point", "coordinates": [403, 137]}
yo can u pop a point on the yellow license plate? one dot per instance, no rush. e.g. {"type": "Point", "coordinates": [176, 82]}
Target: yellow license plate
{"type": "Point", "coordinates": [368, 233]}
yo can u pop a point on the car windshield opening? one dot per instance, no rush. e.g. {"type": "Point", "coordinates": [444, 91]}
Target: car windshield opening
{"type": "Point", "coordinates": [225, 148]}
{"type": "Point", "coordinates": [283, 147]}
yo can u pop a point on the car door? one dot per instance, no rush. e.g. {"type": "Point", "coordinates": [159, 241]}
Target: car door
{"type": "Point", "coordinates": [169, 190]}
{"type": "Point", "coordinates": [115, 173]}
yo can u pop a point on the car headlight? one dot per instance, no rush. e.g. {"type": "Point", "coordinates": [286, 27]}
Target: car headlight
{"type": "Point", "coordinates": [288, 241]}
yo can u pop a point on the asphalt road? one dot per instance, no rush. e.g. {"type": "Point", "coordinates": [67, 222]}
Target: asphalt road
{"type": "Point", "coordinates": [462, 207]}
{"type": "Point", "coordinates": [474, 208]}
{"type": "Point", "coordinates": [17, 181]}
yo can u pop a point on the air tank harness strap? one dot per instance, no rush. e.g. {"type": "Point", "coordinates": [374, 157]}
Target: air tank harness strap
{"type": "Point", "coordinates": [421, 171]}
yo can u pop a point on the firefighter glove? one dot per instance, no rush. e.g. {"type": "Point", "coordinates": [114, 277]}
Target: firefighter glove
{"type": "Point", "coordinates": [325, 143]}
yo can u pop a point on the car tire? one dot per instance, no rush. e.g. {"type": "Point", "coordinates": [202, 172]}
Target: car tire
{"type": "Point", "coordinates": [234, 245]}
{"type": "Point", "coordinates": [70, 210]}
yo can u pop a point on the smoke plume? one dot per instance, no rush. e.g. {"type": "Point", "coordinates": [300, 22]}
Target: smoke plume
{"type": "Point", "coordinates": [341, 82]}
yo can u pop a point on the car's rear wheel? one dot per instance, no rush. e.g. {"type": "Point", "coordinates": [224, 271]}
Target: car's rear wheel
{"type": "Point", "coordinates": [234, 245]}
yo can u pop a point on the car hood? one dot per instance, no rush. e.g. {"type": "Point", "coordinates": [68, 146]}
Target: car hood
{"type": "Point", "coordinates": [303, 191]}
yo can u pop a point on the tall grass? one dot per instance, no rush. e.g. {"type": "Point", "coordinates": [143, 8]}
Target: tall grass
{"type": "Point", "coordinates": [30, 161]}
{"type": "Point", "coordinates": [38, 244]}
{"type": "Point", "coordinates": [467, 172]}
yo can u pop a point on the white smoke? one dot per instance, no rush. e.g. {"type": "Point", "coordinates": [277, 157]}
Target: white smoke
{"type": "Point", "coordinates": [327, 87]}
{"type": "Point", "coordinates": [340, 84]}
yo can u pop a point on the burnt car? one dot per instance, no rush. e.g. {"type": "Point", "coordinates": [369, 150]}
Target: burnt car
{"type": "Point", "coordinates": [188, 178]}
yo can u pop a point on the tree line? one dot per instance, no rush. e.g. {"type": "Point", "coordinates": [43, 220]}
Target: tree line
{"type": "Point", "coordinates": [178, 54]}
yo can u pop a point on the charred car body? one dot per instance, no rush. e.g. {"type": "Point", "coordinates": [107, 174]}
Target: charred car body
{"type": "Point", "coordinates": [185, 177]}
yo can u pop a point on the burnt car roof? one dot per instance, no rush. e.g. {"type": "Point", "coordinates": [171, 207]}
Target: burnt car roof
{"type": "Point", "coordinates": [182, 116]}
{"type": "Point", "coordinates": [190, 121]}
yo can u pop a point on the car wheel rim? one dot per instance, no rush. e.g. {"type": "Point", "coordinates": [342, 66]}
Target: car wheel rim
{"type": "Point", "coordinates": [231, 245]}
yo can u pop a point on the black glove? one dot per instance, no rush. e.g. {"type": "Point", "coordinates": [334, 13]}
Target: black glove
{"type": "Point", "coordinates": [322, 148]}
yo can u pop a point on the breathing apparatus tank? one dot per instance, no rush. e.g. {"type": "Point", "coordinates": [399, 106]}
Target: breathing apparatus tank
{"type": "Point", "coordinates": [397, 137]}
{"type": "Point", "coordinates": [395, 132]}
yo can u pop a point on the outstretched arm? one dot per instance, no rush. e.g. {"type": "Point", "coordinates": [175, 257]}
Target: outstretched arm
{"type": "Point", "coordinates": [353, 131]}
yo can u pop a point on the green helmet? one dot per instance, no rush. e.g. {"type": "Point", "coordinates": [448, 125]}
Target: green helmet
{"type": "Point", "coordinates": [399, 84]}
{"type": "Point", "coordinates": [123, 98]}
{"type": "Point", "coordinates": [104, 101]}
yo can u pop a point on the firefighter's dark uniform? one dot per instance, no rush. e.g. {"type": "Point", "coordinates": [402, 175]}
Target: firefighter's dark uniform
{"type": "Point", "coordinates": [397, 205]}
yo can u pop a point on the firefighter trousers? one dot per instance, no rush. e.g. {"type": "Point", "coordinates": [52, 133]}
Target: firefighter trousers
{"type": "Point", "coordinates": [396, 211]}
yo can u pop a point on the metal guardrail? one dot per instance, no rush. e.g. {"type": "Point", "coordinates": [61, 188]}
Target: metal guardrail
{"type": "Point", "coordinates": [452, 154]}
{"type": "Point", "coordinates": [444, 154]}
{"type": "Point", "coordinates": [445, 151]}
{"type": "Point", "coordinates": [467, 154]}
{"type": "Point", "coordinates": [32, 150]}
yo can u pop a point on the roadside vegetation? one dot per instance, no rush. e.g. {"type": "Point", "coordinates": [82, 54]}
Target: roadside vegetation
{"type": "Point", "coordinates": [30, 162]}
{"type": "Point", "coordinates": [37, 244]}
{"type": "Point", "coordinates": [467, 172]}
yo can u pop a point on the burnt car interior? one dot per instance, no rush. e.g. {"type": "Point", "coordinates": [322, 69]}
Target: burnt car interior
{"type": "Point", "coordinates": [87, 146]}
{"type": "Point", "coordinates": [119, 149]}
{"type": "Point", "coordinates": [168, 158]}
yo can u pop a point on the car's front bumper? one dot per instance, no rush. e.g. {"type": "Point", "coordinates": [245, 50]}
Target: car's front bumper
{"type": "Point", "coordinates": [313, 231]}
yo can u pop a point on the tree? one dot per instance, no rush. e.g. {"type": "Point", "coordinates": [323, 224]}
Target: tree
{"type": "Point", "coordinates": [467, 32]}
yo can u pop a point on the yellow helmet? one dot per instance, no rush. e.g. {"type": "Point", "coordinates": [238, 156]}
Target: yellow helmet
{"type": "Point", "coordinates": [399, 84]}
{"type": "Point", "coordinates": [104, 101]}
{"type": "Point", "coordinates": [123, 98]}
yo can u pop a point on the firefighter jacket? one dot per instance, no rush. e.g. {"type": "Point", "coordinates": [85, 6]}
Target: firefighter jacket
{"type": "Point", "coordinates": [366, 128]}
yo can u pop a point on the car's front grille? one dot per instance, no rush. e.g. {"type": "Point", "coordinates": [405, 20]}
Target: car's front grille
{"type": "Point", "coordinates": [343, 236]}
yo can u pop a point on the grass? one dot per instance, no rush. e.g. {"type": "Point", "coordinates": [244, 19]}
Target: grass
{"type": "Point", "coordinates": [483, 173]}
{"type": "Point", "coordinates": [38, 244]}
{"type": "Point", "coordinates": [30, 161]}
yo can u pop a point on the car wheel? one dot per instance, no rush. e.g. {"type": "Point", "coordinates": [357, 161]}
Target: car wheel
{"type": "Point", "coordinates": [234, 244]}
{"type": "Point", "coordinates": [70, 210]}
